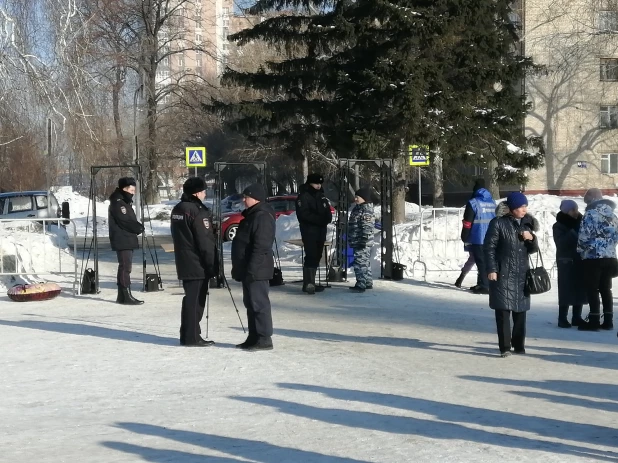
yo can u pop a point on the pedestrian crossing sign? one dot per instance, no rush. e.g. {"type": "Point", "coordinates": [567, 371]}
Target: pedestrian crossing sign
{"type": "Point", "coordinates": [195, 156]}
{"type": "Point", "coordinates": [419, 155]}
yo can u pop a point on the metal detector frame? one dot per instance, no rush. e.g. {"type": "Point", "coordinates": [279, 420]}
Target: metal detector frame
{"type": "Point", "coordinates": [137, 172]}
{"type": "Point", "coordinates": [386, 207]}
{"type": "Point", "coordinates": [218, 197]}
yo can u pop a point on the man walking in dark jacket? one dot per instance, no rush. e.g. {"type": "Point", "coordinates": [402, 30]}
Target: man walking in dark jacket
{"type": "Point", "coordinates": [253, 265]}
{"type": "Point", "coordinates": [314, 215]}
{"type": "Point", "coordinates": [195, 255]}
{"type": "Point", "coordinates": [480, 210]}
{"type": "Point", "coordinates": [123, 230]}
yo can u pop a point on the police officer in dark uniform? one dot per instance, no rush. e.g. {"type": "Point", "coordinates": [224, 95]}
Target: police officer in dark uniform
{"type": "Point", "coordinates": [123, 230]}
{"type": "Point", "coordinates": [314, 215]}
{"type": "Point", "coordinates": [195, 254]}
{"type": "Point", "coordinates": [253, 265]}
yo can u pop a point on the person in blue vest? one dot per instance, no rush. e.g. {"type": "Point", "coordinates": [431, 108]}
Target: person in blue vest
{"type": "Point", "coordinates": [480, 210]}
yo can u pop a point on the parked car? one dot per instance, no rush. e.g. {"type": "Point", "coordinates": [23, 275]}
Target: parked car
{"type": "Point", "coordinates": [283, 205]}
{"type": "Point", "coordinates": [29, 204]}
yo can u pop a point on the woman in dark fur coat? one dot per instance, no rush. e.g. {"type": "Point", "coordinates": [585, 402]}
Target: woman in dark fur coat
{"type": "Point", "coordinates": [571, 288]}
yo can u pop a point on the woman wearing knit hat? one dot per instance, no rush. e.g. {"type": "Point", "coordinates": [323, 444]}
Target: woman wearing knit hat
{"type": "Point", "coordinates": [571, 288]}
{"type": "Point", "coordinates": [508, 242]}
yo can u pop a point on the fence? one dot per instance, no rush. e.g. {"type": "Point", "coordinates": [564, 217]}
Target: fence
{"type": "Point", "coordinates": [37, 247]}
{"type": "Point", "coordinates": [438, 240]}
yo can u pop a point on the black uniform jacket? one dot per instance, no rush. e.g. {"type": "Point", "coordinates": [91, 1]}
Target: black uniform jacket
{"type": "Point", "coordinates": [313, 213]}
{"type": "Point", "coordinates": [252, 248]}
{"type": "Point", "coordinates": [194, 240]}
{"type": "Point", "coordinates": [123, 224]}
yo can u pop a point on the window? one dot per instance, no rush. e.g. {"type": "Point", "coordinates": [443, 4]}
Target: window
{"type": "Point", "coordinates": [608, 21]}
{"type": "Point", "coordinates": [279, 206]}
{"type": "Point", "coordinates": [198, 60]}
{"type": "Point", "coordinates": [20, 204]}
{"type": "Point", "coordinates": [609, 163]}
{"type": "Point", "coordinates": [41, 202]}
{"type": "Point", "coordinates": [2, 202]}
{"type": "Point", "coordinates": [226, 11]}
{"type": "Point", "coordinates": [181, 60]}
{"type": "Point", "coordinates": [608, 117]}
{"type": "Point", "coordinates": [226, 32]}
{"type": "Point", "coordinates": [198, 38]}
{"type": "Point", "coordinates": [609, 69]}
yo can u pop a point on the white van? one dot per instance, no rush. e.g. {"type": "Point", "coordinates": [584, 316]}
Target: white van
{"type": "Point", "coordinates": [28, 204]}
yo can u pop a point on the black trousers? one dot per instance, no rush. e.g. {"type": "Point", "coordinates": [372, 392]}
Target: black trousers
{"type": "Point", "coordinates": [125, 264]}
{"type": "Point", "coordinates": [259, 315]}
{"type": "Point", "coordinates": [479, 259]}
{"type": "Point", "coordinates": [313, 253]}
{"type": "Point", "coordinates": [193, 305]}
{"type": "Point", "coordinates": [503, 323]}
{"type": "Point", "coordinates": [598, 280]}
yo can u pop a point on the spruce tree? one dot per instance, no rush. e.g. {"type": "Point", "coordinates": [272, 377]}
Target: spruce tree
{"type": "Point", "coordinates": [365, 78]}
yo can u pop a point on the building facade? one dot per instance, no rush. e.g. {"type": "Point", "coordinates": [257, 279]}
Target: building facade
{"type": "Point", "coordinates": [573, 94]}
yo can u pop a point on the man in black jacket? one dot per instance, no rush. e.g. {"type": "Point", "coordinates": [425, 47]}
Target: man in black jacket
{"type": "Point", "coordinates": [123, 230]}
{"type": "Point", "coordinates": [253, 265]}
{"type": "Point", "coordinates": [195, 255]}
{"type": "Point", "coordinates": [313, 213]}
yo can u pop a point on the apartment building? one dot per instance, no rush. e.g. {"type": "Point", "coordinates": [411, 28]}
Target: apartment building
{"type": "Point", "coordinates": [197, 35]}
{"type": "Point", "coordinates": [574, 95]}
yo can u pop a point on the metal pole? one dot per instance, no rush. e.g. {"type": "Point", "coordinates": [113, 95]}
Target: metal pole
{"type": "Point", "coordinates": [419, 188]}
{"type": "Point", "coordinates": [420, 210]}
{"type": "Point", "coordinates": [49, 163]}
{"type": "Point", "coordinates": [196, 171]}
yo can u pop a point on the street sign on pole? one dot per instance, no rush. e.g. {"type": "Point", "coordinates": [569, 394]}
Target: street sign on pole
{"type": "Point", "coordinates": [195, 156]}
{"type": "Point", "coordinates": [419, 155]}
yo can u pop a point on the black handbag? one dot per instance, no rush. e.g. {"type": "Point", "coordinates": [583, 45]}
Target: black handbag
{"type": "Point", "coordinates": [153, 281]}
{"type": "Point", "coordinates": [277, 279]}
{"type": "Point", "coordinates": [537, 278]}
{"type": "Point", "coordinates": [89, 282]}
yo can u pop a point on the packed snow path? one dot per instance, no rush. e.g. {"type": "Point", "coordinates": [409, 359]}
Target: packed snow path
{"type": "Point", "coordinates": [407, 372]}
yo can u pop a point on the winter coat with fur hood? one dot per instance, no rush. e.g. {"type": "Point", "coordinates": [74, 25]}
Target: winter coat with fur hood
{"type": "Point", "coordinates": [598, 233]}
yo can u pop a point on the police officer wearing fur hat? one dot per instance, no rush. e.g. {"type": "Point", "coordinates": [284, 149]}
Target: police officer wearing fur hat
{"type": "Point", "coordinates": [123, 230]}
{"type": "Point", "coordinates": [196, 258]}
{"type": "Point", "coordinates": [253, 265]}
{"type": "Point", "coordinates": [314, 215]}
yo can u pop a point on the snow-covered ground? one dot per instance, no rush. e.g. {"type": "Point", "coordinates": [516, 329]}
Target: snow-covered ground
{"type": "Point", "coordinates": [408, 372]}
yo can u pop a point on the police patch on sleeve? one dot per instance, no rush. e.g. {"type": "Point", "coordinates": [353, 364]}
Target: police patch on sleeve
{"type": "Point", "coordinates": [206, 223]}
{"type": "Point", "coordinates": [123, 209]}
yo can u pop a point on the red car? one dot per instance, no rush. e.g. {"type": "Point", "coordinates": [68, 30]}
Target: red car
{"type": "Point", "coordinates": [283, 205]}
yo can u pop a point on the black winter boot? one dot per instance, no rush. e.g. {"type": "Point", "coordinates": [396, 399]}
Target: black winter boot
{"type": "Point", "coordinates": [563, 321]}
{"type": "Point", "coordinates": [460, 280]}
{"type": "Point", "coordinates": [593, 323]}
{"type": "Point", "coordinates": [305, 279]}
{"type": "Point", "coordinates": [127, 297]}
{"type": "Point", "coordinates": [608, 321]}
{"type": "Point", "coordinates": [261, 343]}
{"type": "Point", "coordinates": [311, 280]}
{"type": "Point", "coordinates": [120, 298]}
{"type": "Point", "coordinates": [577, 319]}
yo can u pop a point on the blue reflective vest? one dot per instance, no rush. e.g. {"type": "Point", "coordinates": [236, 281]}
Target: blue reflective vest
{"type": "Point", "coordinates": [484, 208]}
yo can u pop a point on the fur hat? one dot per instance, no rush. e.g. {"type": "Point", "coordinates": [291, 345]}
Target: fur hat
{"type": "Point", "coordinates": [315, 178]}
{"type": "Point", "coordinates": [193, 185]}
{"type": "Point", "coordinates": [255, 191]}
{"type": "Point", "coordinates": [125, 182]}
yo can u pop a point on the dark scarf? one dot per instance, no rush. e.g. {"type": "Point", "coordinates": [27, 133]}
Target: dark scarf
{"type": "Point", "coordinates": [568, 221]}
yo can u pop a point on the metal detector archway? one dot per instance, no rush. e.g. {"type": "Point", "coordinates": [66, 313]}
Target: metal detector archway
{"type": "Point", "coordinates": [218, 193]}
{"type": "Point", "coordinates": [386, 207]}
{"type": "Point", "coordinates": [137, 173]}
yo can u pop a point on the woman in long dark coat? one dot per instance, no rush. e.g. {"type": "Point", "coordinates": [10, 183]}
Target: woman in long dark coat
{"type": "Point", "coordinates": [508, 243]}
{"type": "Point", "coordinates": [571, 288]}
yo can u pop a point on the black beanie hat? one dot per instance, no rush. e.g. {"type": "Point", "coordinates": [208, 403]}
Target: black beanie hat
{"type": "Point", "coordinates": [364, 193]}
{"type": "Point", "coordinates": [478, 184]}
{"type": "Point", "coordinates": [193, 185]}
{"type": "Point", "coordinates": [125, 182]}
{"type": "Point", "coordinates": [315, 178]}
{"type": "Point", "coordinates": [255, 191]}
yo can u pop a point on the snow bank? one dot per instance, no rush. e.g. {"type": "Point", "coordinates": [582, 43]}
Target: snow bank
{"type": "Point", "coordinates": [30, 250]}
